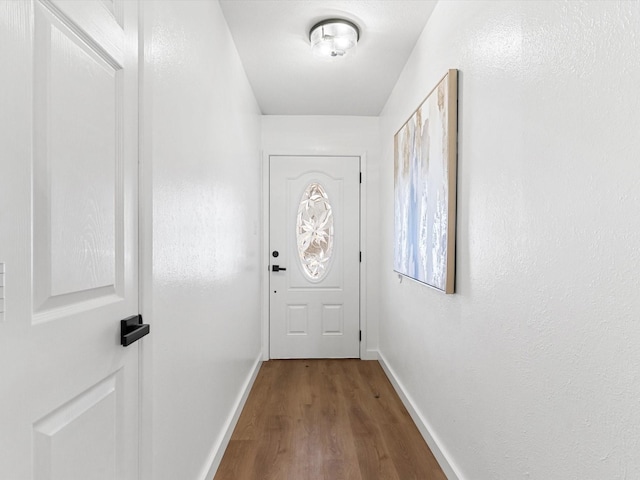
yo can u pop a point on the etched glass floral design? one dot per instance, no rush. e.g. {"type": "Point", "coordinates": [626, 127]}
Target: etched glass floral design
{"type": "Point", "coordinates": [314, 231]}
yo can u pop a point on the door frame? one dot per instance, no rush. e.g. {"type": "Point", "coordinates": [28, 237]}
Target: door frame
{"type": "Point", "coordinates": [265, 258]}
{"type": "Point", "coordinates": [145, 249]}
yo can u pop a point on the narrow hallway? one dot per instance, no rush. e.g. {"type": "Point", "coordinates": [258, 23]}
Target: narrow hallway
{"type": "Point", "coordinates": [326, 419]}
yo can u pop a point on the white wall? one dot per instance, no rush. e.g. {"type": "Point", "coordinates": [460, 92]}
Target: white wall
{"type": "Point", "coordinates": [341, 135]}
{"type": "Point", "coordinates": [202, 191]}
{"type": "Point", "coordinates": [531, 370]}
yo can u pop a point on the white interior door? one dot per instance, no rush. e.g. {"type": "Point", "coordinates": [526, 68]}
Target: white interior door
{"type": "Point", "coordinates": [68, 239]}
{"type": "Point", "coordinates": [314, 242]}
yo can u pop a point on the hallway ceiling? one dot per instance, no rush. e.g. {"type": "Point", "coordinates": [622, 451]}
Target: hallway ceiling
{"type": "Point", "coordinates": [272, 39]}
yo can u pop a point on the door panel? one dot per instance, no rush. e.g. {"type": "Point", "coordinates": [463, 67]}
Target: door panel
{"type": "Point", "coordinates": [68, 239]}
{"type": "Point", "coordinates": [314, 317]}
{"type": "Point", "coordinates": [78, 216]}
{"type": "Point", "coordinates": [83, 429]}
{"type": "Point", "coordinates": [332, 320]}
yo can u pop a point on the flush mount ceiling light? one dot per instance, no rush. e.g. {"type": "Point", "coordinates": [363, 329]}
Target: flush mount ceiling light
{"type": "Point", "coordinates": [333, 37]}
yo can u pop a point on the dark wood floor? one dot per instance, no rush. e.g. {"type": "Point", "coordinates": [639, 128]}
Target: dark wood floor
{"type": "Point", "coordinates": [329, 420]}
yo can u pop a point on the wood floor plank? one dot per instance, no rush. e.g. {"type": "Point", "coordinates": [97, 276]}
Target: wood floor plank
{"type": "Point", "coordinates": [251, 422]}
{"type": "Point", "coordinates": [238, 460]}
{"type": "Point", "coordinates": [326, 420]}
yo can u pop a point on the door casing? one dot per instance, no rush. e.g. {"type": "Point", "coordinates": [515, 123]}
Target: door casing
{"type": "Point", "coordinates": [265, 262]}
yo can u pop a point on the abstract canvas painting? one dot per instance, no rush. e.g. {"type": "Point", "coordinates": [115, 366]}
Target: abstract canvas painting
{"type": "Point", "coordinates": [425, 189]}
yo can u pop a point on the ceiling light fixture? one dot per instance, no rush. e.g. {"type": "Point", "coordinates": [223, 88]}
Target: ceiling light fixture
{"type": "Point", "coordinates": [333, 37]}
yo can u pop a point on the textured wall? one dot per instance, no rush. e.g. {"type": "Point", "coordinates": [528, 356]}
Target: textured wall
{"type": "Point", "coordinates": [531, 369]}
{"type": "Point", "coordinates": [201, 134]}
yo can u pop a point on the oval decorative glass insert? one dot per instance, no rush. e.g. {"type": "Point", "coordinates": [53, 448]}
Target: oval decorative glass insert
{"type": "Point", "coordinates": [314, 231]}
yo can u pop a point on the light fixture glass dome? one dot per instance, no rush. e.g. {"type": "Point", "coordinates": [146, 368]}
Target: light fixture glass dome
{"type": "Point", "coordinates": [333, 37]}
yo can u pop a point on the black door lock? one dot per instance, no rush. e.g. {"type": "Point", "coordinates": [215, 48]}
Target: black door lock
{"type": "Point", "coordinates": [277, 268]}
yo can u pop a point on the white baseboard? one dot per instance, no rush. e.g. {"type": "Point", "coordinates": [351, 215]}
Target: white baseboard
{"type": "Point", "coordinates": [370, 355]}
{"type": "Point", "coordinates": [218, 451]}
{"type": "Point", "coordinates": [425, 429]}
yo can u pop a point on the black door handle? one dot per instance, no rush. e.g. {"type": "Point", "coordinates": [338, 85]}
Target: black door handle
{"type": "Point", "coordinates": [132, 329]}
{"type": "Point", "coordinates": [277, 268]}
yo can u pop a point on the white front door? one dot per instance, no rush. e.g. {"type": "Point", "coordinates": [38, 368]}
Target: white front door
{"type": "Point", "coordinates": [68, 239]}
{"type": "Point", "coordinates": [314, 248]}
